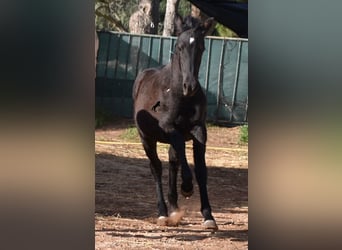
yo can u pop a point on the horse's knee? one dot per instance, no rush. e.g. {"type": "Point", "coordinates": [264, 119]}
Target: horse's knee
{"type": "Point", "coordinates": [200, 134]}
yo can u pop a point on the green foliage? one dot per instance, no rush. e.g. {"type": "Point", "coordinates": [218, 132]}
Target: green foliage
{"type": "Point", "coordinates": [114, 14]}
{"type": "Point", "coordinates": [184, 8]}
{"type": "Point", "coordinates": [244, 134]}
{"type": "Point", "coordinates": [210, 124]}
{"type": "Point", "coordinates": [130, 134]}
{"type": "Point", "coordinates": [223, 31]}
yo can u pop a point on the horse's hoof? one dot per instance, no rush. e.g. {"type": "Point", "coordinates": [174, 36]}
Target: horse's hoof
{"type": "Point", "coordinates": [187, 194]}
{"type": "Point", "coordinates": [162, 221]}
{"type": "Point", "coordinates": [186, 191]}
{"type": "Point", "coordinates": [210, 224]}
{"type": "Point", "coordinates": [175, 217]}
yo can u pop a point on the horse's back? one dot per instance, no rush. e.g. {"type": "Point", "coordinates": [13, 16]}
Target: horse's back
{"type": "Point", "coordinates": [139, 81]}
{"type": "Point", "coordinates": [148, 82]}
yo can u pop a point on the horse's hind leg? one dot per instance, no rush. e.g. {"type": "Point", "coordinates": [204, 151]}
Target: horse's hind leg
{"type": "Point", "coordinates": [150, 148]}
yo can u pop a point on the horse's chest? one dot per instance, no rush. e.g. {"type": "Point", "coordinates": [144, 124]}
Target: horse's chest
{"type": "Point", "coordinates": [188, 112]}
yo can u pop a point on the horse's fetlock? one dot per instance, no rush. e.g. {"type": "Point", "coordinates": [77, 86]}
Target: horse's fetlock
{"type": "Point", "coordinates": [187, 189]}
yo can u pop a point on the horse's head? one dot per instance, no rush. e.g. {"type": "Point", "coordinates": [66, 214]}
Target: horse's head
{"type": "Point", "coordinates": [189, 50]}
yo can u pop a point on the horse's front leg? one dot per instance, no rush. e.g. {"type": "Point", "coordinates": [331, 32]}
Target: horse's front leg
{"type": "Point", "coordinates": [176, 214]}
{"type": "Point", "coordinates": [199, 145]}
{"type": "Point", "coordinates": [170, 108]}
{"type": "Point", "coordinates": [173, 171]}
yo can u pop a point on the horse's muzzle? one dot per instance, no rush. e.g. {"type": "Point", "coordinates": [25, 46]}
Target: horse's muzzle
{"type": "Point", "coordinates": [190, 90]}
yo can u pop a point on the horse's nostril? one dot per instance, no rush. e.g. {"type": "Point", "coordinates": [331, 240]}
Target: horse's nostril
{"type": "Point", "coordinates": [185, 89]}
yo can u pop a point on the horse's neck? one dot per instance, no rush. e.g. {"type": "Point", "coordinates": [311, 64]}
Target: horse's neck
{"type": "Point", "coordinates": [165, 74]}
{"type": "Point", "coordinates": [169, 76]}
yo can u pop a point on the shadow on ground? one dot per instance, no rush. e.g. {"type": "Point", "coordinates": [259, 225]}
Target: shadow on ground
{"type": "Point", "coordinates": [125, 187]}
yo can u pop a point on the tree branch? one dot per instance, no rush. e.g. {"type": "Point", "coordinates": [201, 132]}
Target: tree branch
{"type": "Point", "coordinates": [117, 23]}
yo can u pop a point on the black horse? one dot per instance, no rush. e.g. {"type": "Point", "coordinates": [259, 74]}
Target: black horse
{"type": "Point", "coordinates": [170, 107]}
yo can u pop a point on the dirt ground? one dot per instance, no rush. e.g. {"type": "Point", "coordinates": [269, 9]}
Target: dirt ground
{"type": "Point", "coordinates": [126, 211]}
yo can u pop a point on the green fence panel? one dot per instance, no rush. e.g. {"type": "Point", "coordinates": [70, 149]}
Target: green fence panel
{"type": "Point", "coordinates": [223, 73]}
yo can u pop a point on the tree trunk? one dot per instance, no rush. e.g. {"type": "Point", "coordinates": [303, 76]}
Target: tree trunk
{"type": "Point", "coordinates": [170, 13]}
{"type": "Point", "coordinates": [196, 12]}
{"type": "Point", "coordinates": [145, 19]}
{"type": "Point", "coordinates": [155, 16]}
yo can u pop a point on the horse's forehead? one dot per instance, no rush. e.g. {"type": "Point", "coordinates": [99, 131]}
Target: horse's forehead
{"type": "Point", "coordinates": [189, 37]}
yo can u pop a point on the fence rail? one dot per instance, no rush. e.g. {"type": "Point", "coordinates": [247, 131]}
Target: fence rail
{"type": "Point", "coordinates": [223, 73]}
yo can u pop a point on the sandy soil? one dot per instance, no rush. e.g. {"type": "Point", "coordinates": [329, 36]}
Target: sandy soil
{"type": "Point", "coordinates": [126, 212]}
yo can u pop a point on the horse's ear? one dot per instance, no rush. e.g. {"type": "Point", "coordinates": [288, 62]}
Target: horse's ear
{"type": "Point", "coordinates": [178, 22]}
{"type": "Point", "coordinates": [207, 24]}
